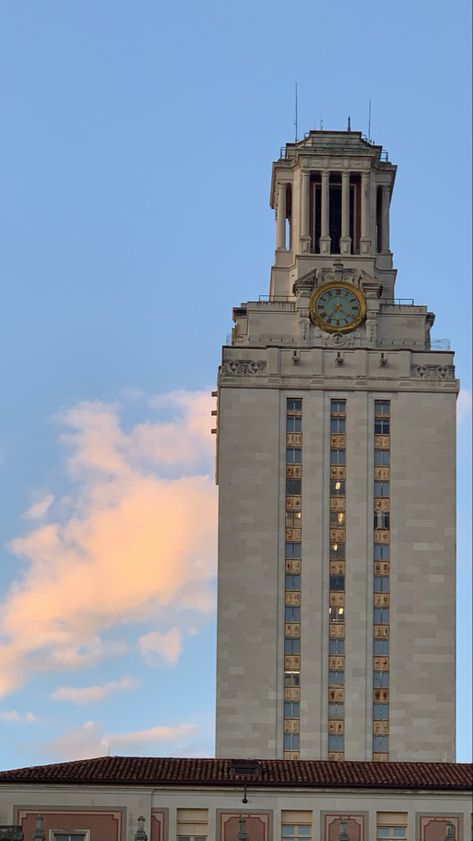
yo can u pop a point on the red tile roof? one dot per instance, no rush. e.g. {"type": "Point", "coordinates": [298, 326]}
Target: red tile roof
{"type": "Point", "coordinates": [164, 771]}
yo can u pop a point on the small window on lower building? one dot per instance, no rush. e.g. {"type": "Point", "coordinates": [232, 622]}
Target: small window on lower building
{"type": "Point", "coordinates": [62, 835]}
{"type": "Point", "coordinates": [391, 825]}
{"type": "Point", "coordinates": [191, 838]}
{"type": "Point", "coordinates": [295, 831]}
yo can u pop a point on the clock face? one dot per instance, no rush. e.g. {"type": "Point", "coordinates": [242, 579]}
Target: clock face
{"type": "Point", "coordinates": [337, 307]}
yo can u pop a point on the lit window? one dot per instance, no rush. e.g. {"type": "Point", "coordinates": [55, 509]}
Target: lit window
{"type": "Point", "coordinates": [292, 614]}
{"type": "Point", "coordinates": [337, 456]}
{"type": "Point", "coordinates": [293, 455]}
{"type": "Point", "coordinates": [291, 741]}
{"type": "Point", "coordinates": [336, 646]}
{"type": "Point", "coordinates": [381, 583]}
{"type": "Point", "coordinates": [293, 519]}
{"type": "Point", "coordinates": [294, 404]}
{"type": "Point", "coordinates": [336, 712]}
{"type": "Point", "coordinates": [335, 741]}
{"type": "Point", "coordinates": [291, 709]}
{"type": "Point", "coordinates": [292, 678]}
{"type": "Point", "coordinates": [381, 615]}
{"type": "Point", "coordinates": [293, 582]}
{"type": "Point", "coordinates": [381, 680]}
{"type": "Point", "coordinates": [337, 487]}
{"type": "Point", "coordinates": [381, 489]}
{"type": "Point", "coordinates": [337, 551]}
{"type": "Point", "coordinates": [380, 744]}
{"type": "Point", "coordinates": [380, 648]}
{"type": "Point", "coordinates": [381, 458]}
{"type": "Point", "coordinates": [381, 552]}
{"type": "Point", "coordinates": [337, 518]}
{"type": "Point", "coordinates": [294, 424]}
{"type": "Point", "coordinates": [292, 645]}
{"type": "Point", "coordinates": [380, 712]}
{"type": "Point", "coordinates": [336, 614]}
{"type": "Point", "coordinates": [337, 425]}
{"type": "Point", "coordinates": [191, 838]}
{"type": "Point", "coordinates": [337, 582]}
{"type": "Point", "coordinates": [381, 519]}
{"type": "Point", "coordinates": [293, 550]}
{"type": "Point", "coordinates": [336, 678]}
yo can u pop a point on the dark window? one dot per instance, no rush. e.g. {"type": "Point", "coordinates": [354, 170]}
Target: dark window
{"type": "Point", "coordinates": [381, 489]}
{"type": "Point", "coordinates": [338, 407]}
{"type": "Point", "coordinates": [337, 582]}
{"type": "Point", "coordinates": [382, 408]}
{"type": "Point", "coordinates": [293, 455]}
{"type": "Point", "coordinates": [381, 426]}
{"type": "Point", "coordinates": [381, 458]}
{"type": "Point", "coordinates": [293, 550]}
{"type": "Point", "coordinates": [337, 456]}
{"type": "Point", "coordinates": [294, 404]}
{"type": "Point", "coordinates": [294, 423]}
{"type": "Point", "coordinates": [293, 487]}
{"type": "Point", "coordinates": [381, 519]}
{"type": "Point", "coordinates": [293, 582]}
{"type": "Point", "coordinates": [337, 425]}
{"type": "Point", "coordinates": [335, 217]}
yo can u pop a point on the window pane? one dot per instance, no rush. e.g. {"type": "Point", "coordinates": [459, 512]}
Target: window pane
{"type": "Point", "coordinates": [381, 552]}
{"type": "Point", "coordinates": [381, 489]}
{"type": "Point", "coordinates": [292, 614]}
{"type": "Point", "coordinates": [380, 744]}
{"type": "Point", "coordinates": [293, 455]}
{"type": "Point", "coordinates": [294, 404]}
{"type": "Point", "coordinates": [380, 712]}
{"type": "Point", "coordinates": [381, 458]}
{"type": "Point", "coordinates": [294, 424]}
{"type": "Point", "coordinates": [337, 678]}
{"type": "Point", "coordinates": [380, 648]}
{"type": "Point", "coordinates": [337, 582]}
{"type": "Point", "coordinates": [291, 709]}
{"type": "Point", "coordinates": [293, 582]}
{"type": "Point", "coordinates": [337, 456]}
{"type": "Point", "coordinates": [337, 487]}
{"type": "Point", "coordinates": [293, 487]}
{"type": "Point", "coordinates": [336, 614]}
{"type": "Point", "coordinates": [292, 645]}
{"type": "Point", "coordinates": [381, 680]}
{"type": "Point", "coordinates": [337, 407]}
{"type": "Point", "coordinates": [336, 646]}
{"type": "Point", "coordinates": [381, 584]}
{"type": "Point", "coordinates": [335, 741]}
{"type": "Point", "coordinates": [293, 550]}
{"type": "Point", "coordinates": [337, 425]}
{"type": "Point", "coordinates": [336, 711]}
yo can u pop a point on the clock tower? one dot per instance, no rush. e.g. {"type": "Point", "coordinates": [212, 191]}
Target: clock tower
{"type": "Point", "coordinates": [336, 472]}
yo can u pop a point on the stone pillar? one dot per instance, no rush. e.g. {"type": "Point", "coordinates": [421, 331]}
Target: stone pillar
{"type": "Point", "coordinates": [345, 240]}
{"type": "Point", "coordinates": [365, 241]}
{"type": "Point", "coordinates": [281, 218]}
{"type": "Point", "coordinates": [385, 200]}
{"type": "Point", "coordinates": [305, 201]}
{"type": "Point", "coordinates": [325, 207]}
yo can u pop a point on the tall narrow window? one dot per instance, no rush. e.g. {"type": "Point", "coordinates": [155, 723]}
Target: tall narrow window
{"type": "Point", "coordinates": [381, 587]}
{"type": "Point", "coordinates": [337, 569]}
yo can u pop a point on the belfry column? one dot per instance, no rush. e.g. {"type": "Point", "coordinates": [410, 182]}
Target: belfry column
{"type": "Point", "coordinates": [281, 218]}
{"type": "Point", "coordinates": [385, 200]}
{"type": "Point", "coordinates": [325, 205]}
{"type": "Point", "coordinates": [305, 235]}
{"type": "Point", "coordinates": [345, 241]}
{"type": "Point", "coordinates": [365, 241]}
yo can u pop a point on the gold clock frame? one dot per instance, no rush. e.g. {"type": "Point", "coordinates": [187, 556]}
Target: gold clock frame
{"type": "Point", "coordinates": [329, 328]}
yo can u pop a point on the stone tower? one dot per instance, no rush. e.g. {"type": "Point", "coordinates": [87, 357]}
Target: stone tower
{"type": "Point", "coordinates": [336, 471]}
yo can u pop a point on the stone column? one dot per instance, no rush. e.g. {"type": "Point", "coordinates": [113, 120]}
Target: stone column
{"type": "Point", "coordinates": [365, 241]}
{"type": "Point", "coordinates": [305, 200]}
{"type": "Point", "coordinates": [385, 200]}
{"type": "Point", "coordinates": [325, 206]}
{"type": "Point", "coordinates": [281, 218]}
{"type": "Point", "coordinates": [345, 240]}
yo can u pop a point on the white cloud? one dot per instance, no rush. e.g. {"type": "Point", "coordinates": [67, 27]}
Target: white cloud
{"type": "Point", "coordinates": [16, 717]}
{"type": "Point", "coordinates": [156, 647]}
{"type": "Point", "coordinates": [40, 508]}
{"type": "Point", "coordinates": [88, 694]}
{"type": "Point", "coordinates": [89, 740]}
{"type": "Point", "coordinates": [464, 403]}
{"type": "Point", "coordinates": [133, 543]}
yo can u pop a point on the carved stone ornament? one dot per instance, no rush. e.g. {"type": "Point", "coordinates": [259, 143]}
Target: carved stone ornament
{"type": "Point", "coordinates": [243, 368]}
{"type": "Point", "coordinates": [433, 372]}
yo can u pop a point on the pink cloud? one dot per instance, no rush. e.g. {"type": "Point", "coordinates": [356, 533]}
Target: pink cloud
{"type": "Point", "coordinates": [88, 694]}
{"type": "Point", "coordinates": [157, 647]}
{"type": "Point", "coordinates": [132, 545]}
{"type": "Point", "coordinates": [89, 740]}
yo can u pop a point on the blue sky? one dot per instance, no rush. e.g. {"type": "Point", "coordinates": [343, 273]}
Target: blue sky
{"type": "Point", "coordinates": [136, 148]}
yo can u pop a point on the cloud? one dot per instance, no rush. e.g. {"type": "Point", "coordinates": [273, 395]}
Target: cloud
{"type": "Point", "coordinates": [21, 718]}
{"type": "Point", "coordinates": [89, 740]}
{"type": "Point", "coordinates": [464, 403]}
{"type": "Point", "coordinates": [156, 647]}
{"type": "Point", "coordinates": [136, 541]}
{"type": "Point", "coordinates": [40, 508]}
{"type": "Point", "coordinates": [88, 694]}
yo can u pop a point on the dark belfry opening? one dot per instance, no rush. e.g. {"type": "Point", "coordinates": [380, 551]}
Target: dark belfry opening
{"type": "Point", "coordinates": [315, 212]}
{"type": "Point", "coordinates": [335, 212]}
{"type": "Point", "coordinates": [355, 213]}
{"type": "Point", "coordinates": [289, 217]}
{"type": "Point", "coordinates": [379, 238]}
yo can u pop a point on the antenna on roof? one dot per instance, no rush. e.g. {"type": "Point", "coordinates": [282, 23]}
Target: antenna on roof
{"type": "Point", "coordinates": [321, 124]}
{"type": "Point", "coordinates": [369, 121]}
{"type": "Point", "coordinates": [295, 113]}
{"type": "Point", "coordinates": [349, 124]}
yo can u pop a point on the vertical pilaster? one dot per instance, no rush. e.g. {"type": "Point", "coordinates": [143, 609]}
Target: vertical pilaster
{"type": "Point", "coordinates": [345, 241]}
{"type": "Point", "coordinates": [365, 242]}
{"type": "Point", "coordinates": [281, 218]}
{"type": "Point", "coordinates": [325, 208]}
{"type": "Point", "coordinates": [304, 227]}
